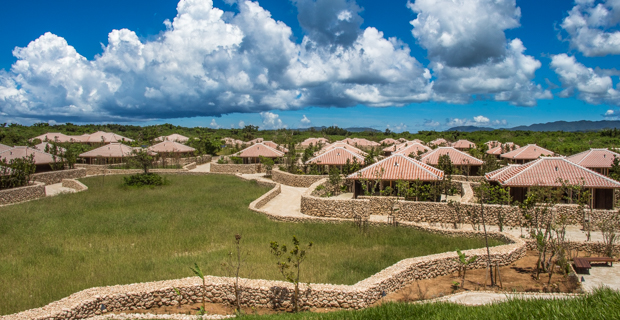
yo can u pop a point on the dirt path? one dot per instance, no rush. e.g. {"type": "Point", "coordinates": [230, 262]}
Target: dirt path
{"type": "Point", "coordinates": [287, 203]}
{"type": "Point", "coordinates": [202, 168]}
{"type": "Point", "coordinates": [56, 189]}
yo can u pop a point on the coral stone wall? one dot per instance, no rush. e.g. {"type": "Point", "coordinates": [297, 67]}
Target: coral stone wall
{"type": "Point", "coordinates": [236, 168]}
{"type": "Point", "coordinates": [74, 184]}
{"type": "Point", "coordinates": [467, 178]}
{"type": "Point", "coordinates": [294, 180]}
{"type": "Point", "coordinates": [53, 177]}
{"type": "Point", "coordinates": [260, 202]}
{"type": "Point", "coordinates": [16, 195]}
{"type": "Point", "coordinates": [330, 207]}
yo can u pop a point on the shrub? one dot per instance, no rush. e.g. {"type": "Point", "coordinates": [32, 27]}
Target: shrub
{"type": "Point", "coordinates": [144, 179]}
{"type": "Point", "coordinates": [236, 160]}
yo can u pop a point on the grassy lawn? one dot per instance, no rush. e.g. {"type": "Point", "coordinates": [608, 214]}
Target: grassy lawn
{"type": "Point", "coordinates": [110, 235]}
{"type": "Point", "coordinates": [603, 304]}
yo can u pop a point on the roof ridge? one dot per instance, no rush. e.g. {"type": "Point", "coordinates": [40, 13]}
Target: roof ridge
{"type": "Point", "coordinates": [592, 171]}
{"type": "Point", "coordinates": [526, 167]}
{"type": "Point", "coordinates": [420, 164]}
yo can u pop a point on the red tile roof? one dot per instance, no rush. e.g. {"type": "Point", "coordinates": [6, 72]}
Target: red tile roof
{"type": "Point", "coordinates": [360, 142]}
{"type": "Point", "coordinates": [173, 137]}
{"type": "Point", "coordinates": [58, 137]}
{"type": "Point", "coordinates": [399, 167]}
{"type": "Point", "coordinates": [463, 144]}
{"type": "Point", "coordinates": [107, 137]}
{"type": "Point", "coordinates": [40, 157]}
{"type": "Point", "coordinates": [259, 149]}
{"type": "Point", "coordinates": [594, 158]}
{"type": "Point", "coordinates": [314, 141]}
{"type": "Point", "coordinates": [492, 144]}
{"type": "Point", "coordinates": [275, 146]}
{"type": "Point", "coordinates": [529, 152]}
{"type": "Point", "coordinates": [439, 141]}
{"type": "Point", "coordinates": [341, 145]}
{"type": "Point", "coordinates": [388, 141]}
{"type": "Point", "coordinates": [502, 148]}
{"type": "Point", "coordinates": [337, 156]}
{"type": "Point", "coordinates": [257, 140]}
{"type": "Point", "coordinates": [112, 150]}
{"type": "Point", "coordinates": [170, 147]}
{"type": "Point", "coordinates": [41, 147]}
{"type": "Point", "coordinates": [4, 147]}
{"type": "Point", "coordinates": [546, 171]}
{"type": "Point", "coordinates": [408, 147]}
{"type": "Point", "coordinates": [458, 158]}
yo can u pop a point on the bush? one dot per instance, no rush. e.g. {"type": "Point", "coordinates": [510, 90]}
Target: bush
{"type": "Point", "coordinates": [237, 160]}
{"type": "Point", "coordinates": [144, 179]}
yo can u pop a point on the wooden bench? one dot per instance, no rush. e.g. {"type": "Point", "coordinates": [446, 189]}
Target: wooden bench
{"type": "Point", "coordinates": [583, 264]}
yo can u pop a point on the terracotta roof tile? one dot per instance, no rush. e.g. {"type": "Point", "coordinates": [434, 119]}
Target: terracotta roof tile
{"type": "Point", "coordinates": [457, 157]}
{"type": "Point", "coordinates": [275, 146]}
{"type": "Point", "coordinates": [399, 167]}
{"type": "Point", "coordinates": [439, 141]}
{"type": "Point", "coordinates": [594, 158]}
{"type": "Point", "coordinates": [112, 150]}
{"type": "Point", "coordinates": [342, 145]}
{"type": "Point", "coordinates": [388, 141]}
{"type": "Point", "coordinates": [464, 144]}
{"type": "Point", "coordinates": [173, 137]}
{"type": "Point", "coordinates": [41, 147]}
{"type": "Point", "coordinates": [40, 157]}
{"type": "Point", "coordinates": [314, 141]}
{"type": "Point", "coordinates": [58, 137]}
{"type": "Point", "coordinates": [360, 142]}
{"type": "Point", "coordinates": [408, 147]}
{"type": "Point", "coordinates": [337, 156]}
{"type": "Point", "coordinates": [170, 147]}
{"type": "Point", "coordinates": [4, 147]}
{"type": "Point", "coordinates": [259, 149]}
{"type": "Point", "coordinates": [501, 148]}
{"type": "Point", "coordinates": [529, 152]}
{"type": "Point", "coordinates": [546, 171]}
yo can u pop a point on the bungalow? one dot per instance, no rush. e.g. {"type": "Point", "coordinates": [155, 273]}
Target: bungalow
{"type": "Point", "coordinates": [42, 160]}
{"type": "Point", "coordinates": [492, 144]}
{"type": "Point", "coordinates": [234, 142]}
{"type": "Point", "coordinates": [526, 154]}
{"type": "Point", "coordinates": [599, 160]}
{"type": "Point", "coordinates": [360, 142]}
{"type": "Point", "coordinates": [4, 147]}
{"type": "Point", "coordinates": [94, 138]}
{"type": "Point", "coordinates": [412, 148]}
{"type": "Point", "coordinates": [47, 147]}
{"type": "Point", "coordinates": [394, 168]}
{"type": "Point", "coordinates": [253, 153]}
{"type": "Point", "coordinates": [463, 145]}
{"type": "Point", "coordinates": [173, 137]}
{"type": "Point", "coordinates": [257, 140]}
{"type": "Point", "coordinates": [440, 142]}
{"type": "Point", "coordinates": [314, 141]}
{"type": "Point", "coordinates": [169, 148]}
{"type": "Point", "coordinates": [547, 172]}
{"type": "Point", "coordinates": [108, 154]}
{"type": "Point", "coordinates": [467, 164]}
{"type": "Point", "coordinates": [57, 137]}
{"type": "Point", "coordinates": [342, 145]}
{"type": "Point", "coordinates": [500, 148]}
{"type": "Point", "coordinates": [388, 141]}
{"type": "Point", "coordinates": [336, 157]}
{"type": "Point", "coordinates": [275, 146]}
{"type": "Point", "coordinates": [402, 139]}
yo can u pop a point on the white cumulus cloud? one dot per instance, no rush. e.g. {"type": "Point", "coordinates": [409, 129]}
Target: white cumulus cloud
{"type": "Point", "coordinates": [592, 27]}
{"type": "Point", "coordinates": [214, 124]}
{"type": "Point", "coordinates": [271, 121]}
{"type": "Point", "coordinates": [305, 122]}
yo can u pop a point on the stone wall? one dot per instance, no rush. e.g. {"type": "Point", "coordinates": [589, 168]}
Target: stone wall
{"type": "Point", "coordinates": [260, 202]}
{"type": "Point", "coordinates": [189, 166]}
{"type": "Point", "coordinates": [53, 177]}
{"type": "Point", "coordinates": [468, 178]}
{"type": "Point", "coordinates": [74, 184]}
{"type": "Point", "coordinates": [236, 168]}
{"type": "Point", "coordinates": [294, 180]}
{"type": "Point", "coordinates": [271, 294]}
{"type": "Point", "coordinates": [330, 207]}
{"type": "Point", "coordinates": [17, 195]}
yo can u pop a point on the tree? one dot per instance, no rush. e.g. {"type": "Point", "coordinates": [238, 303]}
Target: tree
{"type": "Point", "coordinates": [288, 260]}
{"type": "Point", "coordinates": [489, 164]}
{"type": "Point", "coordinates": [482, 193]}
{"type": "Point", "coordinates": [614, 171]}
{"type": "Point", "coordinates": [335, 179]}
{"type": "Point", "coordinates": [16, 172]}
{"type": "Point", "coordinates": [234, 264]}
{"type": "Point", "coordinates": [141, 158]}
{"type": "Point", "coordinates": [464, 262]}
{"type": "Point", "coordinates": [268, 163]}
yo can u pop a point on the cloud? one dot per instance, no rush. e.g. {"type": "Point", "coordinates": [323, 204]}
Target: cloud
{"type": "Point", "coordinates": [208, 63]}
{"type": "Point", "coordinates": [477, 121]}
{"type": "Point", "coordinates": [305, 122]}
{"type": "Point", "coordinates": [431, 123]}
{"type": "Point", "coordinates": [271, 121]}
{"type": "Point", "coordinates": [582, 81]}
{"type": "Point", "coordinates": [481, 119]}
{"type": "Point", "coordinates": [592, 27]}
{"type": "Point", "coordinates": [214, 124]}
{"type": "Point", "coordinates": [241, 124]}
{"type": "Point", "coordinates": [470, 54]}
{"type": "Point", "coordinates": [397, 128]}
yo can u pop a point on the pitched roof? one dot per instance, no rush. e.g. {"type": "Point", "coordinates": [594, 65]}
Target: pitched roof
{"type": "Point", "coordinates": [314, 141]}
{"type": "Point", "coordinates": [341, 145]}
{"type": "Point", "coordinates": [492, 144]}
{"type": "Point", "coordinates": [594, 158]}
{"type": "Point", "coordinates": [388, 141]}
{"type": "Point", "coordinates": [546, 171]}
{"type": "Point", "coordinates": [107, 137]}
{"type": "Point", "coordinates": [112, 150]}
{"type": "Point", "coordinates": [402, 139]}
{"type": "Point", "coordinates": [399, 167]}
{"type": "Point", "coordinates": [529, 152]}
{"type": "Point", "coordinates": [501, 148]}
{"type": "Point", "coordinates": [40, 157]}
{"type": "Point", "coordinates": [407, 148]}
{"type": "Point", "coordinates": [275, 146]}
{"type": "Point", "coordinates": [41, 146]}
{"type": "Point", "coordinates": [439, 141]}
{"type": "Point", "coordinates": [360, 142]}
{"type": "Point", "coordinates": [337, 156]}
{"type": "Point", "coordinates": [458, 158]}
{"type": "Point", "coordinates": [58, 137]}
{"type": "Point", "coordinates": [464, 144]}
{"type": "Point", "coordinates": [173, 137]}
{"type": "Point", "coordinates": [257, 140]}
{"type": "Point", "coordinates": [259, 149]}
{"type": "Point", "coordinates": [171, 147]}
{"type": "Point", "coordinates": [4, 147]}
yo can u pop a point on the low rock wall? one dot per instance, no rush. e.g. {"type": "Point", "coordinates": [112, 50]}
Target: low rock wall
{"type": "Point", "coordinates": [468, 178]}
{"type": "Point", "coordinates": [53, 177]}
{"type": "Point", "coordinates": [236, 168]}
{"type": "Point", "coordinates": [189, 166]}
{"type": "Point", "coordinates": [271, 294]}
{"type": "Point", "coordinates": [74, 184]}
{"type": "Point", "coordinates": [17, 195]}
{"type": "Point", "coordinates": [331, 207]}
{"type": "Point", "coordinates": [260, 202]}
{"type": "Point", "coordinates": [294, 180]}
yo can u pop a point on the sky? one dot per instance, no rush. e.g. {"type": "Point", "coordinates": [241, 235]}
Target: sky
{"type": "Point", "coordinates": [399, 65]}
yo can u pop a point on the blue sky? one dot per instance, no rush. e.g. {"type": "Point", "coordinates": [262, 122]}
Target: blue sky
{"type": "Point", "coordinates": [417, 65]}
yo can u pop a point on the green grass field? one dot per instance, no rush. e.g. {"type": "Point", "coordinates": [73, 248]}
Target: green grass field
{"type": "Point", "coordinates": [603, 304]}
{"type": "Point", "coordinates": [110, 235]}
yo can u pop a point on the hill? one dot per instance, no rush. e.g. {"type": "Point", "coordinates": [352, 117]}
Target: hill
{"type": "Point", "coordinates": [568, 126]}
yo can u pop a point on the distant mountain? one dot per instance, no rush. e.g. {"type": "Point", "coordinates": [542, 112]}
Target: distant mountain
{"type": "Point", "coordinates": [470, 129]}
{"type": "Point", "coordinates": [362, 129]}
{"type": "Point", "coordinates": [569, 126]}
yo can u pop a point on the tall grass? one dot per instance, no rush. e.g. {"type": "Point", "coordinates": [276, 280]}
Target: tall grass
{"type": "Point", "coordinates": [111, 235]}
{"type": "Point", "coordinates": [603, 304]}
